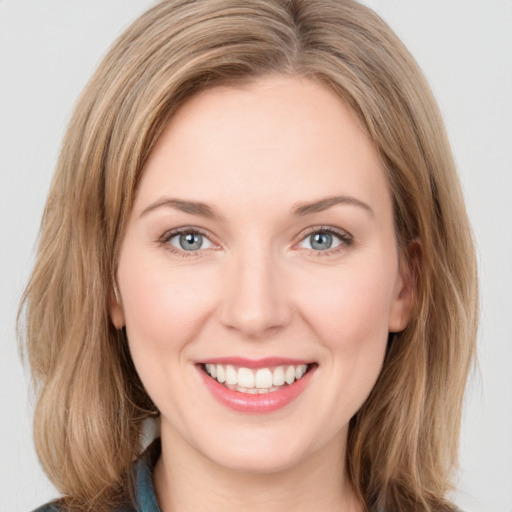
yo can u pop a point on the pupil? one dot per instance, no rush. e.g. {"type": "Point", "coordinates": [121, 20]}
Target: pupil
{"type": "Point", "coordinates": [191, 241]}
{"type": "Point", "coordinates": [321, 241]}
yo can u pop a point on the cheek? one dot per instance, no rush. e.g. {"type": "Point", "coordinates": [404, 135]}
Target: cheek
{"type": "Point", "coordinates": [350, 307]}
{"type": "Point", "coordinates": [164, 311]}
{"type": "Point", "coordinates": [350, 320]}
{"type": "Point", "coordinates": [161, 305]}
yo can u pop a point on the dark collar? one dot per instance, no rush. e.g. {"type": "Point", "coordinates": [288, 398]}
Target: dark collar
{"type": "Point", "coordinates": [145, 496]}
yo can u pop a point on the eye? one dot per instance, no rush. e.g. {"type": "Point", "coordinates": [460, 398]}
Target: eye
{"type": "Point", "coordinates": [323, 240]}
{"type": "Point", "coordinates": [189, 241]}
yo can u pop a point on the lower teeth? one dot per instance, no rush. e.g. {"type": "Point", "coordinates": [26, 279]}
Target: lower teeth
{"type": "Point", "coordinates": [252, 391]}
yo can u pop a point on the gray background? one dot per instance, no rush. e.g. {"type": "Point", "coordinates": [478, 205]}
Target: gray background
{"type": "Point", "coordinates": [49, 48]}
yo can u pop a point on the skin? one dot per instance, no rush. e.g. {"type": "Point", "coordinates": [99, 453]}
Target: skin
{"type": "Point", "coordinates": [258, 289]}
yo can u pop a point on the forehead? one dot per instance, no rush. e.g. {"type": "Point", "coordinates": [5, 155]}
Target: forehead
{"type": "Point", "coordinates": [275, 139]}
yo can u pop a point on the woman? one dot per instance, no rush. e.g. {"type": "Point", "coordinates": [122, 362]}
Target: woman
{"type": "Point", "coordinates": [256, 234]}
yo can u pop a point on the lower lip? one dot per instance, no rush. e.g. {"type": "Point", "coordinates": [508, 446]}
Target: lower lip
{"type": "Point", "coordinates": [257, 404]}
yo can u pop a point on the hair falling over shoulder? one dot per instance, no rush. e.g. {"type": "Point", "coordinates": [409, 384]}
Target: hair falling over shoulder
{"type": "Point", "coordinates": [403, 442]}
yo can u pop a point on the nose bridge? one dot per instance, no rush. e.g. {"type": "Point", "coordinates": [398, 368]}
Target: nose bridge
{"type": "Point", "coordinates": [255, 300]}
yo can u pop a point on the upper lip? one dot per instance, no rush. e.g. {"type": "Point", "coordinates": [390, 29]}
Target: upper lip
{"type": "Point", "coordinates": [255, 363]}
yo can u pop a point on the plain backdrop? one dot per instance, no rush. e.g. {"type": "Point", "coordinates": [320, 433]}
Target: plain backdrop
{"type": "Point", "coordinates": [49, 48]}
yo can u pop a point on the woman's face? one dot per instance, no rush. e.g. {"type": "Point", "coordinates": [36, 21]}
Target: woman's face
{"type": "Point", "coordinates": [261, 245]}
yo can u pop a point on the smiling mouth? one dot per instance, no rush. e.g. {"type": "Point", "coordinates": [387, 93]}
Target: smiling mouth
{"type": "Point", "coordinates": [256, 381]}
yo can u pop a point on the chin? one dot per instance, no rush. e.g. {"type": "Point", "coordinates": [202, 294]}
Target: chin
{"type": "Point", "coordinates": [257, 461]}
{"type": "Point", "coordinates": [268, 449]}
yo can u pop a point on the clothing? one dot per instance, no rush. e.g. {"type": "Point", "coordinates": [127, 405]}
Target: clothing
{"type": "Point", "coordinates": [145, 496]}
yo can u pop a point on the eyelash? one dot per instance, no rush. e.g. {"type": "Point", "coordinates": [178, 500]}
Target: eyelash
{"type": "Point", "coordinates": [346, 240]}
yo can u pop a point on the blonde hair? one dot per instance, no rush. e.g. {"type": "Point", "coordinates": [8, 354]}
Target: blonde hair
{"type": "Point", "coordinates": [403, 442]}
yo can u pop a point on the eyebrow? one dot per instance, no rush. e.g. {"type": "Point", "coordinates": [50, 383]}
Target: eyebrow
{"type": "Point", "coordinates": [299, 209]}
{"type": "Point", "coordinates": [192, 207]}
{"type": "Point", "coordinates": [302, 209]}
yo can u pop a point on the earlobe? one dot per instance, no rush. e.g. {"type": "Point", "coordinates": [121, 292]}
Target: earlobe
{"type": "Point", "coordinates": [116, 308]}
{"type": "Point", "coordinates": [405, 290]}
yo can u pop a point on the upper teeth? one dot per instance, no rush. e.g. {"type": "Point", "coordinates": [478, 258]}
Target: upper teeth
{"type": "Point", "coordinates": [262, 378]}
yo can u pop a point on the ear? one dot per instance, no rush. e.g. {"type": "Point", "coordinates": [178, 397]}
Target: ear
{"type": "Point", "coordinates": [405, 288]}
{"type": "Point", "coordinates": [116, 308]}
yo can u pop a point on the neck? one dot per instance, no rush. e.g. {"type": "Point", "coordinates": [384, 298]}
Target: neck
{"type": "Point", "coordinates": [186, 481]}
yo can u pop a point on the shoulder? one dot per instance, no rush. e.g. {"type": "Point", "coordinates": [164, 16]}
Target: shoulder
{"type": "Point", "coordinates": [144, 496]}
{"type": "Point", "coordinates": [57, 506]}
{"type": "Point", "coordinates": [50, 507]}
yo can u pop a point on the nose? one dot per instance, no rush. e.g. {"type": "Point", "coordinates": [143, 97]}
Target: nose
{"type": "Point", "coordinates": [255, 301]}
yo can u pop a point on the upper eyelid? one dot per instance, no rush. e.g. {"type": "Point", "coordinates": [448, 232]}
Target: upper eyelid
{"type": "Point", "coordinates": [171, 233]}
{"type": "Point", "coordinates": [304, 232]}
{"type": "Point", "coordinates": [330, 229]}
{"type": "Point", "coordinates": [342, 233]}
